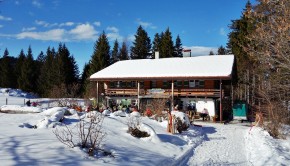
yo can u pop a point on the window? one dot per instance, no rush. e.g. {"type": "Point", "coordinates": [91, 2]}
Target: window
{"type": "Point", "coordinates": [196, 83]}
{"type": "Point", "coordinates": [141, 84]}
{"type": "Point", "coordinates": [175, 84]}
{"type": "Point", "coordinates": [191, 83]}
{"type": "Point", "coordinates": [153, 84]}
{"type": "Point", "coordinates": [118, 84]}
{"type": "Point", "coordinates": [123, 84]}
{"type": "Point", "coordinates": [179, 83]}
{"type": "Point", "coordinates": [133, 84]}
{"type": "Point", "coordinates": [112, 84]}
{"type": "Point", "coordinates": [165, 84]}
{"type": "Point", "coordinates": [185, 83]}
{"type": "Point", "coordinates": [201, 83]}
{"type": "Point", "coordinates": [129, 84]}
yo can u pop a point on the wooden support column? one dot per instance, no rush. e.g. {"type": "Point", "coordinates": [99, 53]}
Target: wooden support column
{"type": "Point", "coordinates": [138, 94]}
{"type": "Point", "coordinates": [97, 93]}
{"type": "Point", "coordinates": [221, 106]}
{"type": "Point", "coordinates": [172, 95]}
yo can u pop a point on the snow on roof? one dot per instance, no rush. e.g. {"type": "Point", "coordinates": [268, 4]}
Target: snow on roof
{"type": "Point", "coordinates": [213, 66]}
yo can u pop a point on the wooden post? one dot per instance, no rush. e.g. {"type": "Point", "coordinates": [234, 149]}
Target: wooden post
{"type": "Point", "coordinates": [221, 108]}
{"type": "Point", "coordinates": [6, 101]}
{"type": "Point", "coordinates": [172, 95]}
{"type": "Point", "coordinates": [138, 94]}
{"type": "Point", "coordinates": [97, 93]}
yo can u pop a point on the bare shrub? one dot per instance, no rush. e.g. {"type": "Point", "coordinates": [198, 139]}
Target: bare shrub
{"type": "Point", "coordinates": [87, 133]}
{"type": "Point", "coordinates": [158, 105]}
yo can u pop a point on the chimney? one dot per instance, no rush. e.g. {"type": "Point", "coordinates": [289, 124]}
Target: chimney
{"type": "Point", "coordinates": [156, 54]}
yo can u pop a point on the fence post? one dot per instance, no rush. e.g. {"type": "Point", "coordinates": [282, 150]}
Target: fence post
{"type": "Point", "coordinates": [24, 102]}
{"type": "Point", "coordinates": [6, 101]}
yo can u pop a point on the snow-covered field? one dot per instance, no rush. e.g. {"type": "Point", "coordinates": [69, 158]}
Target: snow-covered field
{"type": "Point", "coordinates": [211, 144]}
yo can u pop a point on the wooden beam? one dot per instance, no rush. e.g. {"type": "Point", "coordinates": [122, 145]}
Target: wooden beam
{"type": "Point", "coordinates": [221, 106]}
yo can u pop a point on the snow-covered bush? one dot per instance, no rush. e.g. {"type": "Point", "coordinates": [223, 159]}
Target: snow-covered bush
{"type": "Point", "coordinates": [134, 123]}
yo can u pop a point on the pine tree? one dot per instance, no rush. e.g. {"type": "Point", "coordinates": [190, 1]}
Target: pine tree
{"type": "Point", "coordinates": [238, 40]}
{"type": "Point", "coordinates": [156, 44]}
{"type": "Point", "coordinates": [27, 77]}
{"type": "Point", "coordinates": [115, 52]}
{"type": "Point", "coordinates": [7, 64]}
{"type": "Point", "coordinates": [222, 51]}
{"type": "Point", "coordinates": [166, 46]}
{"type": "Point", "coordinates": [101, 56]}
{"type": "Point", "coordinates": [18, 68]}
{"type": "Point", "coordinates": [39, 62]}
{"type": "Point", "coordinates": [211, 53]}
{"type": "Point", "coordinates": [123, 53]}
{"type": "Point", "coordinates": [68, 69]}
{"type": "Point", "coordinates": [85, 75]}
{"type": "Point", "coordinates": [141, 46]}
{"type": "Point", "coordinates": [100, 59]}
{"type": "Point", "coordinates": [45, 80]}
{"type": "Point", "coordinates": [178, 47]}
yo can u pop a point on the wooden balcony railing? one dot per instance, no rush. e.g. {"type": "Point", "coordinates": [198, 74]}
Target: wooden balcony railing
{"type": "Point", "coordinates": [177, 92]}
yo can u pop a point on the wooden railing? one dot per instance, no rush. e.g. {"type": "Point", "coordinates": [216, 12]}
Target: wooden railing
{"type": "Point", "coordinates": [177, 92]}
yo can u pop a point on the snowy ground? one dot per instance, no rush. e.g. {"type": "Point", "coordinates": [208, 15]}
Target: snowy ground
{"type": "Point", "coordinates": [211, 144]}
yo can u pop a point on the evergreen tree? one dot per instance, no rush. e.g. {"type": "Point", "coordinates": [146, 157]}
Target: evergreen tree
{"type": "Point", "coordinates": [45, 80]}
{"type": "Point", "coordinates": [123, 53]}
{"type": "Point", "coordinates": [141, 46]}
{"type": "Point", "coordinates": [6, 53]}
{"type": "Point", "coordinates": [18, 68]}
{"type": "Point", "coordinates": [26, 80]}
{"type": "Point", "coordinates": [101, 56]}
{"type": "Point", "coordinates": [238, 39]}
{"type": "Point", "coordinates": [7, 76]}
{"type": "Point", "coordinates": [115, 52]}
{"type": "Point", "coordinates": [166, 46]}
{"type": "Point", "coordinates": [39, 62]}
{"type": "Point", "coordinates": [211, 53]}
{"type": "Point", "coordinates": [66, 64]}
{"type": "Point", "coordinates": [100, 59]}
{"type": "Point", "coordinates": [222, 51]}
{"type": "Point", "coordinates": [156, 44]}
{"type": "Point", "coordinates": [85, 75]}
{"type": "Point", "coordinates": [178, 47]}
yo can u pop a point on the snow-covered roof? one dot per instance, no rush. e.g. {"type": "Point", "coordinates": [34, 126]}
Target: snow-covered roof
{"type": "Point", "coordinates": [213, 66]}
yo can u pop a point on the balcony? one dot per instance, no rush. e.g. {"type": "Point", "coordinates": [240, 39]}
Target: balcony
{"type": "Point", "coordinates": [165, 92]}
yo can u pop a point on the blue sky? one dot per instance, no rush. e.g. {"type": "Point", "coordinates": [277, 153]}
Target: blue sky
{"type": "Point", "coordinates": [201, 24]}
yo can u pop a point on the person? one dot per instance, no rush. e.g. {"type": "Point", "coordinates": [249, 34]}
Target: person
{"type": "Point", "coordinates": [28, 103]}
{"type": "Point", "coordinates": [204, 113]}
{"type": "Point", "coordinates": [34, 104]}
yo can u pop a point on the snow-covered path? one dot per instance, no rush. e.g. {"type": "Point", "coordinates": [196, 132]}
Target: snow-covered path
{"type": "Point", "coordinates": [223, 145]}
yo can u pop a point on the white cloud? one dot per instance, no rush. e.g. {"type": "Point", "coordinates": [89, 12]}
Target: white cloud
{"type": "Point", "coordinates": [84, 32]}
{"type": "Point", "coordinates": [29, 29]}
{"type": "Point", "coordinates": [42, 23]}
{"type": "Point", "coordinates": [113, 36]}
{"type": "Point", "coordinates": [54, 35]}
{"type": "Point", "coordinates": [222, 32]}
{"type": "Point", "coordinates": [5, 18]}
{"type": "Point", "coordinates": [45, 24]}
{"type": "Point", "coordinates": [66, 24]}
{"type": "Point", "coordinates": [17, 3]}
{"type": "Point", "coordinates": [36, 3]}
{"type": "Point", "coordinates": [146, 24]}
{"type": "Point", "coordinates": [131, 37]}
{"type": "Point", "coordinates": [1, 26]}
{"type": "Point", "coordinates": [200, 50]}
{"type": "Point", "coordinates": [97, 23]}
{"type": "Point", "coordinates": [113, 29]}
